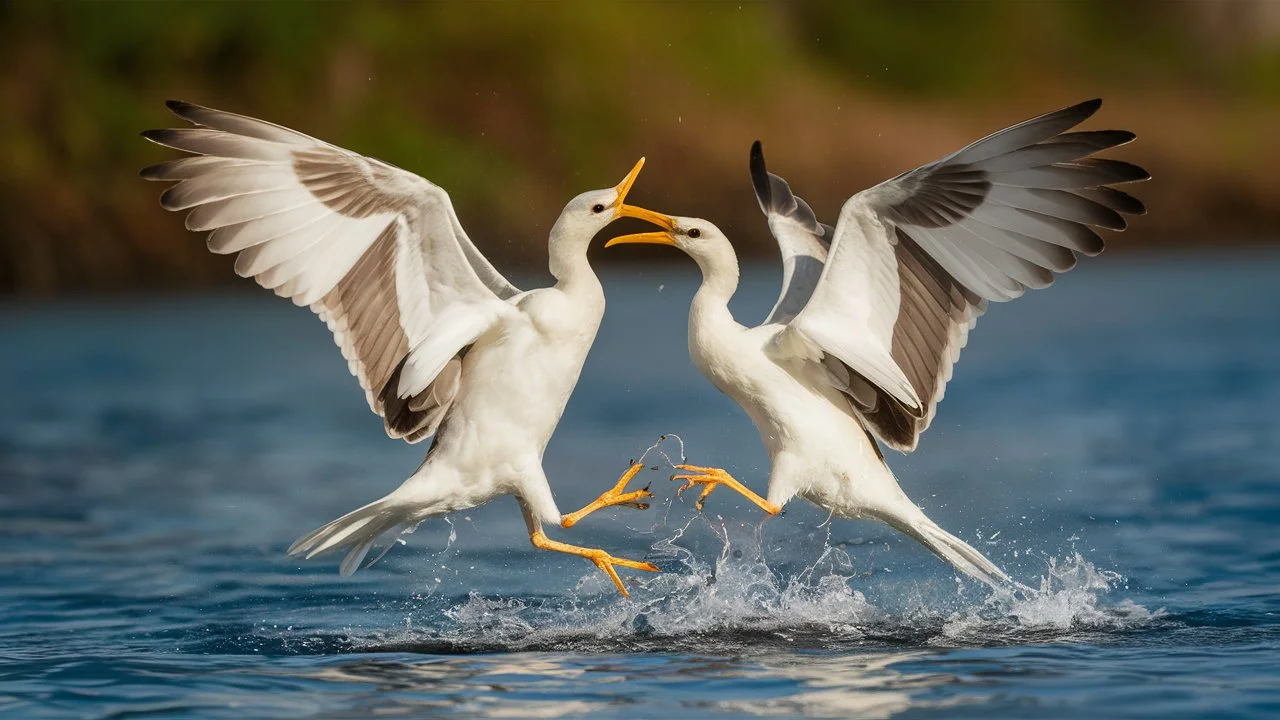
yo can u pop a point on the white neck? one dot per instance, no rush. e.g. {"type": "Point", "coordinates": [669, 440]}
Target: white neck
{"type": "Point", "coordinates": [719, 282]}
{"type": "Point", "coordinates": [568, 259]}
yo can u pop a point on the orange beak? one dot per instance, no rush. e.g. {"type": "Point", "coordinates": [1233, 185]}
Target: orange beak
{"type": "Point", "coordinates": [648, 238]}
{"type": "Point", "coordinates": [623, 210]}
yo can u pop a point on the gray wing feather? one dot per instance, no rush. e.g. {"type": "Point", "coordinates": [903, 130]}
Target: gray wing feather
{"type": "Point", "coordinates": [984, 224]}
{"type": "Point", "coordinates": [1006, 201]}
{"type": "Point", "coordinates": [802, 240]}
{"type": "Point", "coordinates": [219, 140]}
{"type": "Point", "coordinates": [375, 251]}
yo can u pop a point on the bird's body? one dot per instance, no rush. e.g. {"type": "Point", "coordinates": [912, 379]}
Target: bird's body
{"type": "Point", "coordinates": [516, 381]}
{"type": "Point", "coordinates": [819, 449]}
{"type": "Point", "coordinates": [442, 344]}
{"type": "Point", "coordinates": [875, 311]}
{"type": "Point", "coordinates": [519, 378]}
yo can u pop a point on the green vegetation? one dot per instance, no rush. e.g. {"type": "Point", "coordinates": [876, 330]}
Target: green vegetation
{"type": "Point", "coordinates": [515, 107]}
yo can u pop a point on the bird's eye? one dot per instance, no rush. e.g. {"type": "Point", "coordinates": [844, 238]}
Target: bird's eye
{"type": "Point", "coordinates": [695, 233]}
{"type": "Point", "coordinates": [598, 208]}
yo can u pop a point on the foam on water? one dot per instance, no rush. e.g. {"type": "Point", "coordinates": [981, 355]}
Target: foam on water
{"type": "Point", "coordinates": [1071, 599]}
{"type": "Point", "coordinates": [738, 598]}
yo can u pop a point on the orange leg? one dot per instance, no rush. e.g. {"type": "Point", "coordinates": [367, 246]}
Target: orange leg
{"type": "Point", "coordinates": [602, 559]}
{"type": "Point", "coordinates": [613, 496]}
{"type": "Point", "coordinates": [711, 478]}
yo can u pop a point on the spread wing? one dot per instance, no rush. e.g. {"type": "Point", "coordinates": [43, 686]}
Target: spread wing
{"type": "Point", "coordinates": [802, 240]}
{"type": "Point", "coordinates": [915, 259]}
{"type": "Point", "coordinates": [375, 251]}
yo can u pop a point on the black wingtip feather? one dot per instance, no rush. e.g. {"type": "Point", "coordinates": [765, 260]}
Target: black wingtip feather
{"type": "Point", "coordinates": [1137, 208]}
{"type": "Point", "coordinates": [1118, 200]}
{"type": "Point", "coordinates": [1120, 137]}
{"type": "Point", "coordinates": [1099, 140]}
{"type": "Point", "coordinates": [1081, 111]}
{"type": "Point", "coordinates": [1088, 107]}
{"type": "Point", "coordinates": [760, 177]}
{"type": "Point", "coordinates": [182, 108]}
{"type": "Point", "coordinates": [1124, 172]}
{"type": "Point", "coordinates": [185, 110]}
{"type": "Point", "coordinates": [168, 200]}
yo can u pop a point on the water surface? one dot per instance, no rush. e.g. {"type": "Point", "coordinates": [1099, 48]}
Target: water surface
{"type": "Point", "coordinates": [1110, 442]}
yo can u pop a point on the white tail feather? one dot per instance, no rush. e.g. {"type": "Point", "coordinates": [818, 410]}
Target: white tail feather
{"type": "Point", "coordinates": [952, 549]}
{"type": "Point", "coordinates": [357, 530]}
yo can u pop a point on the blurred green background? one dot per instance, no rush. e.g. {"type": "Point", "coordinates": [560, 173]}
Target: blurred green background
{"type": "Point", "coordinates": [513, 108]}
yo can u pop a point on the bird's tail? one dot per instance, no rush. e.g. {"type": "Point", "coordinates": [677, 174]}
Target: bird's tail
{"type": "Point", "coordinates": [952, 549]}
{"type": "Point", "coordinates": [358, 530]}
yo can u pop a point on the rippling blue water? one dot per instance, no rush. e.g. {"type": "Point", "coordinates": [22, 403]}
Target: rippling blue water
{"type": "Point", "coordinates": [1111, 442]}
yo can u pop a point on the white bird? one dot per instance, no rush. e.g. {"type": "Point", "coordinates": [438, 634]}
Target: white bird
{"type": "Point", "coordinates": [442, 343]}
{"type": "Point", "coordinates": [874, 312]}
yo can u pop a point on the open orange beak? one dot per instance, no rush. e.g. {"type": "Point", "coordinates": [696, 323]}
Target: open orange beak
{"type": "Point", "coordinates": [648, 238]}
{"type": "Point", "coordinates": [623, 210]}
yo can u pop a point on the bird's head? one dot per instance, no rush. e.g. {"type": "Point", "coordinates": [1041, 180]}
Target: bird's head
{"type": "Point", "coordinates": [588, 213]}
{"type": "Point", "coordinates": [701, 240]}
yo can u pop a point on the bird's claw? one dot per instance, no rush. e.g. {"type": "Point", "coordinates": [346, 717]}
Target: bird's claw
{"type": "Point", "coordinates": [605, 562]}
{"type": "Point", "coordinates": [709, 478]}
{"type": "Point", "coordinates": [712, 478]}
{"type": "Point", "coordinates": [632, 499]}
{"type": "Point", "coordinates": [614, 497]}
{"type": "Point", "coordinates": [598, 557]}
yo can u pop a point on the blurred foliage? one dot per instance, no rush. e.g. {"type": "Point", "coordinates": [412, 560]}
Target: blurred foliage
{"type": "Point", "coordinates": [513, 108]}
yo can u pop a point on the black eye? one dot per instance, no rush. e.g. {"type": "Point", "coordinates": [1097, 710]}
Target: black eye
{"type": "Point", "coordinates": [695, 233]}
{"type": "Point", "coordinates": [598, 208]}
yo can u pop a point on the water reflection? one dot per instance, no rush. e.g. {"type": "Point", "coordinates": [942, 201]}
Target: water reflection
{"type": "Point", "coordinates": [510, 686]}
{"type": "Point", "coordinates": [869, 684]}
{"type": "Point", "coordinates": [866, 686]}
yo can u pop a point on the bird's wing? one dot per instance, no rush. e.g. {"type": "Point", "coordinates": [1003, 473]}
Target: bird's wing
{"type": "Point", "coordinates": [803, 241]}
{"type": "Point", "coordinates": [375, 251]}
{"type": "Point", "coordinates": [915, 259]}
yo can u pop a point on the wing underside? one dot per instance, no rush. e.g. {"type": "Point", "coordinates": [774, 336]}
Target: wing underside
{"type": "Point", "coordinates": [915, 260]}
{"type": "Point", "coordinates": [375, 251]}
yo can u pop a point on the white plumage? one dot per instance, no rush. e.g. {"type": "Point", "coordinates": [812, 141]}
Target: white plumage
{"type": "Point", "coordinates": [441, 343]}
{"type": "Point", "coordinates": [874, 311]}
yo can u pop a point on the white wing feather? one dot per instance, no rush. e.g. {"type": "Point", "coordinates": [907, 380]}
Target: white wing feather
{"type": "Point", "coordinates": [852, 318]}
{"type": "Point", "coordinates": [914, 260]}
{"type": "Point", "coordinates": [377, 252]}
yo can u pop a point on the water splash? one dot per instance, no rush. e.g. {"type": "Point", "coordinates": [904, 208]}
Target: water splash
{"type": "Point", "coordinates": [657, 447]}
{"type": "Point", "coordinates": [1069, 603]}
{"type": "Point", "coordinates": [741, 599]}
{"type": "Point", "coordinates": [722, 587]}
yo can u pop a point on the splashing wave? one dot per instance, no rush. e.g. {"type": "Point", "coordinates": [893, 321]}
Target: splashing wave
{"type": "Point", "coordinates": [740, 601]}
